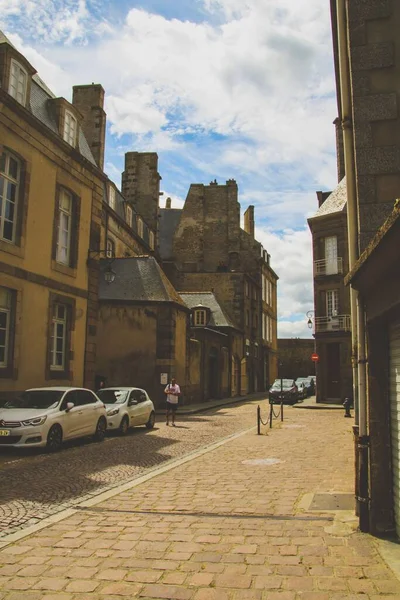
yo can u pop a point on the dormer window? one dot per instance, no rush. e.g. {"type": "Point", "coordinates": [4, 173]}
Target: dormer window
{"type": "Point", "coordinates": [200, 316]}
{"type": "Point", "coordinates": [111, 197]}
{"type": "Point", "coordinates": [70, 128]}
{"type": "Point", "coordinates": [18, 82]}
{"type": "Point", "coordinates": [140, 227]}
{"type": "Point", "coordinates": [129, 215]}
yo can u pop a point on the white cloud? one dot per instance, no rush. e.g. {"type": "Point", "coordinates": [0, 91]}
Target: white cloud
{"type": "Point", "coordinates": [291, 258]}
{"type": "Point", "coordinates": [247, 93]}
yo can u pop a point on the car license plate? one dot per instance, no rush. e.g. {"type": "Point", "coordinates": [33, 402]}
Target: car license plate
{"type": "Point", "coordinates": [4, 432]}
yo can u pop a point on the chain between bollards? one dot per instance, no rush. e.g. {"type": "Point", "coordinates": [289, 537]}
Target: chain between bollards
{"type": "Point", "coordinates": [272, 415]}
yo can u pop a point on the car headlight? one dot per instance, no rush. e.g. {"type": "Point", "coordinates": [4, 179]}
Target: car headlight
{"type": "Point", "coordinates": [35, 421]}
{"type": "Point", "coordinates": [112, 412]}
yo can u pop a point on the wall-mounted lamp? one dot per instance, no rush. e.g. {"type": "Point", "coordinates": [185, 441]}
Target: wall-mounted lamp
{"type": "Point", "coordinates": [310, 316]}
{"type": "Point", "coordinates": [108, 273]}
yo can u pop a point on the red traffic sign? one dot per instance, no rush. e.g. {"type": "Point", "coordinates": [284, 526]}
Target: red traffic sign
{"type": "Point", "coordinates": [314, 357]}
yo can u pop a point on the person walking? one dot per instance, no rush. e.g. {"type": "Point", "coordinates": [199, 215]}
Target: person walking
{"type": "Point", "coordinates": [173, 392]}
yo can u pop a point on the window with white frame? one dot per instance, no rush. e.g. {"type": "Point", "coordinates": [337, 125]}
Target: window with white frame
{"type": "Point", "coordinates": [111, 197]}
{"type": "Point", "coordinates": [5, 325]}
{"type": "Point", "coordinates": [70, 128]}
{"type": "Point", "coordinates": [200, 317]}
{"type": "Point", "coordinates": [129, 215]}
{"type": "Point", "coordinates": [18, 82]}
{"type": "Point", "coordinates": [140, 227]}
{"type": "Point", "coordinates": [332, 303]}
{"type": "Point", "coordinates": [151, 240]}
{"type": "Point", "coordinates": [110, 248]}
{"type": "Point", "coordinates": [10, 177]}
{"type": "Point", "coordinates": [59, 331]}
{"type": "Point", "coordinates": [64, 229]}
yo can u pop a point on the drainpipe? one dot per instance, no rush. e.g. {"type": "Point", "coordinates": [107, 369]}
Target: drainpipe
{"type": "Point", "coordinates": [357, 309]}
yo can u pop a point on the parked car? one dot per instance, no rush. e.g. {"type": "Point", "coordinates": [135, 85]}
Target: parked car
{"type": "Point", "coordinates": [302, 385]}
{"type": "Point", "coordinates": [284, 390]}
{"type": "Point", "coordinates": [127, 407]}
{"type": "Point", "coordinates": [45, 417]}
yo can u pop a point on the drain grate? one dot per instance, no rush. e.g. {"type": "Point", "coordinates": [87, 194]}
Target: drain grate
{"type": "Point", "coordinates": [332, 502]}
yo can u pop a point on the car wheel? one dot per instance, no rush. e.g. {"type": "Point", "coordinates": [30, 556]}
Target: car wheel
{"type": "Point", "coordinates": [124, 426]}
{"type": "Point", "coordinates": [54, 439]}
{"type": "Point", "coordinates": [100, 432]}
{"type": "Point", "coordinates": [151, 421]}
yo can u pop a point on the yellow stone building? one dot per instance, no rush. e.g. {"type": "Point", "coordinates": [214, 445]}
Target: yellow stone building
{"type": "Point", "coordinates": [51, 190]}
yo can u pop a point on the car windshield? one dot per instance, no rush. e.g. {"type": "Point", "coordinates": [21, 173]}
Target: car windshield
{"type": "Point", "coordinates": [286, 383]}
{"type": "Point", "coordinates": [113, 396]}
{"type": "Point", "coordinates": [36, 399]}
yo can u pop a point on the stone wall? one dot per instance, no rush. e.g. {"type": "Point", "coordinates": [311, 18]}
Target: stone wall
{"type": "Point", "coordinates": [375, 73]}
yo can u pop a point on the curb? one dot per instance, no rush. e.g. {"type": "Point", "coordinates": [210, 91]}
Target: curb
{"type": "Point", "coordinates": [207, 406]}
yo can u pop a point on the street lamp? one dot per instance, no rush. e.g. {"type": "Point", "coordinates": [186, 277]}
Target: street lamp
{"type": "Point", "coordinates": [310, 315]}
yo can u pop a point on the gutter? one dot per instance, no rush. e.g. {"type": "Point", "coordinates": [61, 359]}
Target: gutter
{"type": "Point", "coordinates": [356, 303]}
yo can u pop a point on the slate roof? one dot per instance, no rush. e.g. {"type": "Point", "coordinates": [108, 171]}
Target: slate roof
{"type": "Point", "coordinates": [40, 108]}
{"type": "Point", "coordinates": [169, 220]}
{"type": "Point", "coordinates": [207, 299]}
{"type": "Point", "coordinates": [138, 279]}
{"type": "Point", "coordinates": [336, 201]}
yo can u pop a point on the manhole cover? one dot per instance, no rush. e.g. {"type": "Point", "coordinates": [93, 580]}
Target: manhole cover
{"type": "Point", "coordinates": [333, 502]}
{"type": "Point", "coordinates": [262, 461]}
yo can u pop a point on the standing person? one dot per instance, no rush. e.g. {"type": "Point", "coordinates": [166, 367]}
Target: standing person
{"type": "Point", "coordinates": [173, 392]}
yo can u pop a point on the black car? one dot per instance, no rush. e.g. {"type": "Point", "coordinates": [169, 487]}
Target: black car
{"type": "Point", "coordinates": [284, 390]}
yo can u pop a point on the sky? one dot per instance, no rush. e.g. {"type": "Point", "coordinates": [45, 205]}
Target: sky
{"type": "Point", "coordinates": [220, 89]}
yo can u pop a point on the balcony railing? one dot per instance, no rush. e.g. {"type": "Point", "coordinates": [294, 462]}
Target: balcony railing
{"type": "Point", "coordinates": [328, 266]}
{"type": "Point", "coordinates": [338, 323]}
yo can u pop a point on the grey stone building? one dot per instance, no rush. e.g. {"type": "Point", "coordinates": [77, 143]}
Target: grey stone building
{"type": "Point", "coordinates": [332, 324]}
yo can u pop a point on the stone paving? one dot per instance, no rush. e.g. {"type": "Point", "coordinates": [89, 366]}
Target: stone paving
{"type": "Point", "coordinates": [35, 485]}
{"type": "Point", "coordinates": [233, 523]}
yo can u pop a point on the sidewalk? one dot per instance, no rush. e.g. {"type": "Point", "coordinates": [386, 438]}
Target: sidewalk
{"type": "Point", "coordinates": [192, 409]}
{"type": "Point", "coordinates": [255, 517]}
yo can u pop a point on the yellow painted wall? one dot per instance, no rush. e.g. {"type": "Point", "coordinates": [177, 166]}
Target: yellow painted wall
{"type": "Point", "coordinates": [30, 350]}
{"type": "Point", "coordinates": [47, 165]}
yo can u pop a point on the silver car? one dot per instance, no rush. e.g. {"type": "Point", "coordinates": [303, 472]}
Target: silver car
{"type": "Point", "coordinates": [127, 407]}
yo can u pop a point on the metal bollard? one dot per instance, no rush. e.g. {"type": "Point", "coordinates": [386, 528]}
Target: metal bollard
{"type": "Point", "coordinates": [258, 420]}
{"type": "Point", "coordinates": [347, 404]}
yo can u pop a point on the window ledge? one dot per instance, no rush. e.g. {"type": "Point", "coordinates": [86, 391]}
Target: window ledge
{"type": "Point", "coordinates": [56, 266]}
{"type": "Point", "coordinates": [11, 248]}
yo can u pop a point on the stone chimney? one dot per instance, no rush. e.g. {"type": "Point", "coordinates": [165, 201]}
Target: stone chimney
{"type": "Point", "coordinates": [141, 185]}
{"type": "Point", "coordinates": [322, 196]}
{"type": "Point", "coordinates": [89, 100]}
{"type": "Point", "coordinates": [249, 221]}
{"type": "Point", "coordinates": [168, 203]}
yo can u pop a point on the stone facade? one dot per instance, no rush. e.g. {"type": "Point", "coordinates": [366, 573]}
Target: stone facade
{"type": "Point", "coordinates": [332, 331]}
{"type": "Point", "coordinates": [210, 251]}
{"type": "Point", "coordinates": [294, 355]}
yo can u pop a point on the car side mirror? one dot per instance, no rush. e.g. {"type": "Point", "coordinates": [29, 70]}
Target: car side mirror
{"type": "Point", "coordinates": [70, 406]}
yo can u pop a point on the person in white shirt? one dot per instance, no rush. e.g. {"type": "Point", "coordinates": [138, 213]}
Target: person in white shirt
{"type": "Point", "coordinates": [173, 392]}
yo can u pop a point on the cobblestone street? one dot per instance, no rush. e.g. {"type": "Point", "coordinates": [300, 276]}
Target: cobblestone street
{"type": "Point", "coordinates": [237, 522]}
{"type": "Point", "coordinates": [36, 485]}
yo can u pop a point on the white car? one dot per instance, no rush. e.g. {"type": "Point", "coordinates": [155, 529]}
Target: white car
{"type": "Point", "coordinates": [45, 417]}
{"type": "Point", "coordinates": [127, 407]}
